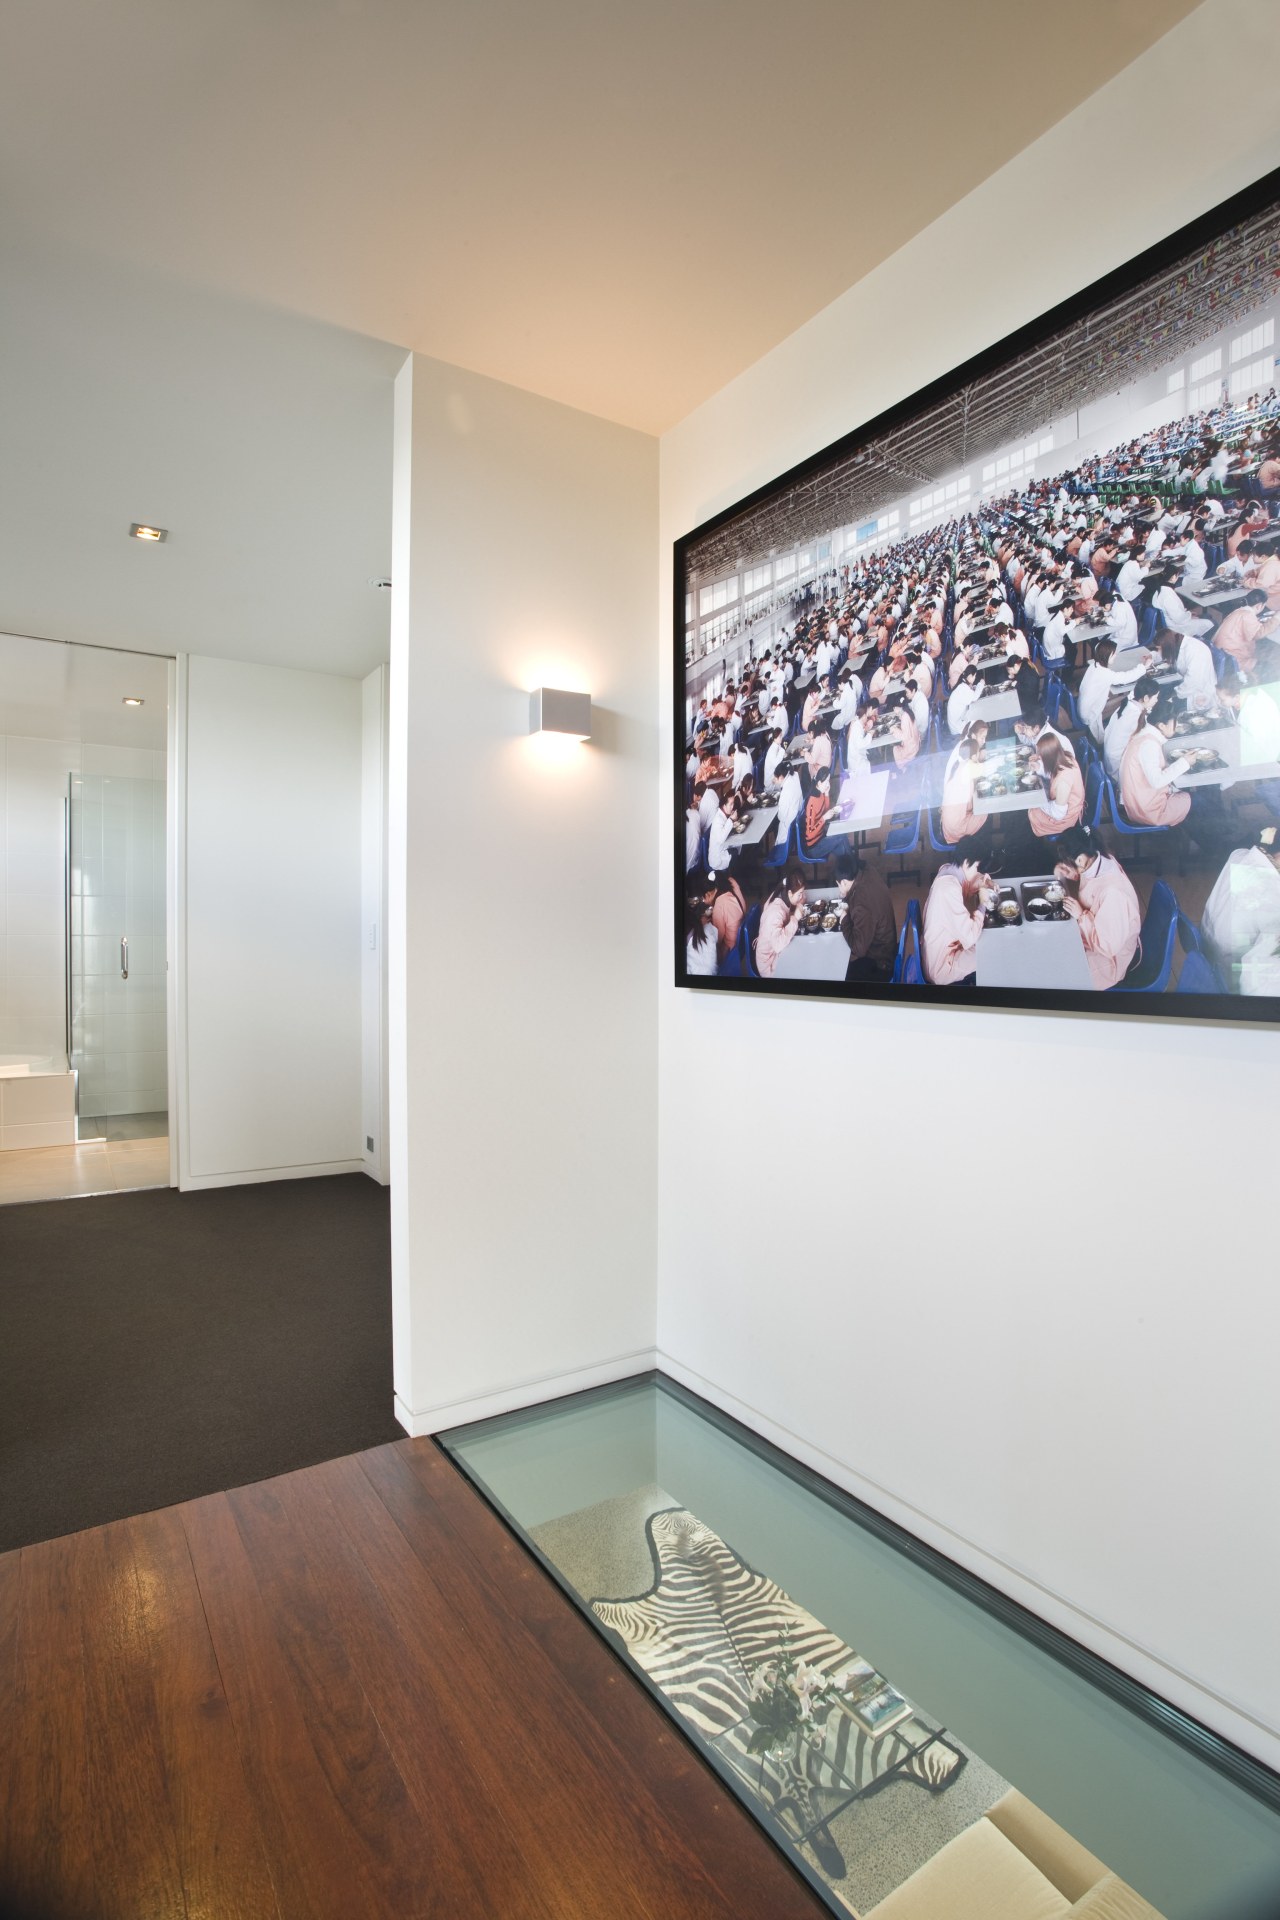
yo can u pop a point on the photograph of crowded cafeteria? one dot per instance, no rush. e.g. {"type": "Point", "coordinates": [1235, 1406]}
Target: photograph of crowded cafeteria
{"type": "Point", "coordinates": [989, 700]}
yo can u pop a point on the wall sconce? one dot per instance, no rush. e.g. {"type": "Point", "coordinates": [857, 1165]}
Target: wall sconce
{"type": "Point", "coordinates": [551, 710]}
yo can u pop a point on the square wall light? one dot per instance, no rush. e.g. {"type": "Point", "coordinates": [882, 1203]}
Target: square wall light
{"type": "Point", "coordinates": [551, 710]}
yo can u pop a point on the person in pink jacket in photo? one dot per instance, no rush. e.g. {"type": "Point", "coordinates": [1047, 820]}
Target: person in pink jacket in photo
{"type": "Point", "coordinates": [1100, 897]}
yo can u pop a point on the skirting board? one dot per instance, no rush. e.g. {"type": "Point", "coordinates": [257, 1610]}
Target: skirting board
{"type": "Point", "coordinates": [252, 1176]}
{"type": "Point", "coordinates": [520, 1393]}
{"type": "Point", "coordinates": [1223, 1716]}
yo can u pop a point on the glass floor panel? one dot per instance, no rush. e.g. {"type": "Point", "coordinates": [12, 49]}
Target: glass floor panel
{"type": "Point", "coordinates": [883, 1714]}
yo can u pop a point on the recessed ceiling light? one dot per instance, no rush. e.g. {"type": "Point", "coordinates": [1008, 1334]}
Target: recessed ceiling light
{"type": "Point", "coordinates": [134, 700]}
{"type": "Point", "coordinates": [140, 532]}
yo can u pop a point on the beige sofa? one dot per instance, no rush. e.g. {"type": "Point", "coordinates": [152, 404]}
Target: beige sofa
{"type": "Point", "coordinates": [1013, 1864]}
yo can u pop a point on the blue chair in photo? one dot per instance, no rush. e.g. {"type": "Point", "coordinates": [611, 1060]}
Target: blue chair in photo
{"type": "Point", "coordinates": [784, 849]}
{"type": "Point", "coordinates": [1199, 975]}
{"type": "Point", "coordinates": [826, 849]}
{"type": "Point", "coordinates": [1058, 695]}
{"type": "Point", "coordinates": [747, 943]}
{"type": "Point", "coordinates": [1147, 625]}
{"type": "Point", "coordinates": [936, 840]}
{"type": "Point", "coordinates": [1123, 826]}
{"type": "Point", "coordinates": [906, 967]}
{"type": "Point", "coordinates": [1154, 961]}
{"type": "Point", "coordinates": [1190, 938]}
{"type": "Point", "coordinates": [903, 838]}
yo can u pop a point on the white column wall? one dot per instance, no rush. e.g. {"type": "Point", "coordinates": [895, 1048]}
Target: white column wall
{"type": "Point", "coordinates": [270, 924]}
{"type": "Point", "coordinates": [33, 888]}
{"type": "Point", "coordinates": [374, 1125]}
{"type": "Point", "coordinates": [1091, 1426]}
{"type": "Point", "coordinates": [520, 923]}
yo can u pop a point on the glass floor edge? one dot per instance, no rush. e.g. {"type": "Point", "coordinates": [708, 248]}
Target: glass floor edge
{"type": "Point", "coordinates": [868, 1768]}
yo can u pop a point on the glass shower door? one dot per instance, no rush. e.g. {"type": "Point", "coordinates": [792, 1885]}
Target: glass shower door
{"type": "Point", "coordinates": [117, 966]}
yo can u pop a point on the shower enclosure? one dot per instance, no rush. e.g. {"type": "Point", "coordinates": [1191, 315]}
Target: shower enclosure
{"type": "Point", "coordinates": [116, 951]}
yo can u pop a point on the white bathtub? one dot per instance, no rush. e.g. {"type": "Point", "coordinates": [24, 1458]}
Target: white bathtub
{"type": "Point", "coordinates": [37, 1101]}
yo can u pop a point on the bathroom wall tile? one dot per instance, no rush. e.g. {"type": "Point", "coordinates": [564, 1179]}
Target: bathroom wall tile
{"type": "Point", "coordinates": [139, 1100]}
{"type": "Point", "coordinates": [35, 913]}
{"type": "Point", "coordinates": [27, 872]}
{"type": "Point", "coordinates": [101, 955]}
{"type": "Point", "coordinates": [104, 916]}
{"type": "Point", "coordinates": [144, 1069]}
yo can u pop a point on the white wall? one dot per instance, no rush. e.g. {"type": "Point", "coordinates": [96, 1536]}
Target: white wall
{"type": "Point", "coordinates": [521, 927]}
{"type": "Point", "coordinates": [33, 917]}
{"type": "Point", "coordinates": [270, 932]}
{"type": "Point", "coordinates": [1093, 1427]}
{"type": "Point", "coordinates": [374, 1095]}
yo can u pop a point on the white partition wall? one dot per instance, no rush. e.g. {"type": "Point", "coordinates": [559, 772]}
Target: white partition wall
{"type": "Point", "coordinates": [521, 925]}
{"type": "Point", "coordinates": [374, 1122]}
{"type": "Point", "coordinates": [270, 938]}
{"type": "Point", "coordinates": [1084, 1409]}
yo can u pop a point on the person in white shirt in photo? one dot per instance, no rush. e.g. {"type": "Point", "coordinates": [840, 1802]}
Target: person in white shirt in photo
{"type": "Point", "coordinates": [1171, 609]}
{"type": "Point", "coordinates": [1198, 688]}
{"type": "Point", "coordinates": [966, 695]}
{"type": "Point", "coordinates": [723, 828]}
{"type": "Point", "coordinates": [1243, 908]}
{"type": "Point", "coordinates": [1131, 578]}
{"type": "Point", "coordinates": [700, 946]}
{"type": "Point", "coordinates": [1055, 633]}
{"type": "Point", "coordinates": [1101, 684]}
{"type": "Point", "coordinates": [741, 765]}
{"type": "Point", "coordinates": [773, 759]}
{"type": "Point", "coordinates": [1195, 561]}
{"type": "Point", "coordinates": [1123, 724]}
{"type": "Point", "coordinates": [790, 801]}
{"type": "Point", "coordinates": [1122, 622]}
{"type": "Point", "coordinates": [692, 837]}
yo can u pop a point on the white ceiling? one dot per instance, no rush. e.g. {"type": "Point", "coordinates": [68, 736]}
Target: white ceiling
{"type": "Point", "coordinates": [262, 441]}
{"type": "Point", "coordinates": [63, 692]}
{"type": "Point", "coordinates": [215, 218]}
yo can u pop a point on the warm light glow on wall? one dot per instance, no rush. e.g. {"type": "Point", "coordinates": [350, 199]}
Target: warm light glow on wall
{"type": "Point", "coordinates": [555, 710]}
{"type": "Point", "coordinates": [558, 752]}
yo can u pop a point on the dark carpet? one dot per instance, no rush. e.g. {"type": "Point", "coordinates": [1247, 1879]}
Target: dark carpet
{"type": "Point", "coordinates": [157, 1346]}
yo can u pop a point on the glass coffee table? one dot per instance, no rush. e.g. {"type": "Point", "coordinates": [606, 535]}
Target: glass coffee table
{"type": "Point", "coordinates": [821, 1769]}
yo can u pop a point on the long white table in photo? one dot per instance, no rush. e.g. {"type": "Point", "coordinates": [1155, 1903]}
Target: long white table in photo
{"type": "Point", "coordinates": [1130, 659]}
{"type": "Point", "coordinates": [995, 707]}
{"type": "Point", "coordinates": [1004, 760]}
{"type": "Point", "coordinates": [865, 795]}
{"type": "Point", "coordinates": [1038, 953]}
{"type": "Point", "coordinates": [1226, 742]}
{"type": "Point", "coordinates": [1215, 596]}
{"type": "Point", "coordinates": [890, 737]}
{"type": "Point", "coordinates": [762, 818]}
{"type": "Point", "coordinates": [1088, 632]}
{"type": "Point", "coordinates": [815, 956]}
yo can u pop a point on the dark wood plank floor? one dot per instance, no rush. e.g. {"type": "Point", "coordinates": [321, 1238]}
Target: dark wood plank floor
{"type": "Point", "coordinates": [347, 1691]}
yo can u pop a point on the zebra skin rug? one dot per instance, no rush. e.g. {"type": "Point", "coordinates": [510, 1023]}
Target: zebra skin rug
{"type": "Point", "coordinates": [705, 1626]}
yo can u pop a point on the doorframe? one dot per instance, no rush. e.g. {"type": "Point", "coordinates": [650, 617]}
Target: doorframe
{"type": "Point", "coordinates": [175, 916]}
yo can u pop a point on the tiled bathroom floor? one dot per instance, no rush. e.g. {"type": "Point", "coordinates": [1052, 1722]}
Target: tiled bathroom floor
{"type": "Point", "coordinates": [94, 1166]}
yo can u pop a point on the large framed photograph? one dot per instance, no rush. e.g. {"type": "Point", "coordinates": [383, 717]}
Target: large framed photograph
{"type": "Point", "coordinates": [982, 703]}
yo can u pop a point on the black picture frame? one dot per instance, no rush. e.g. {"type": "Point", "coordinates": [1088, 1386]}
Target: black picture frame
{"type": "Point", "coordinates": [1158, 259]}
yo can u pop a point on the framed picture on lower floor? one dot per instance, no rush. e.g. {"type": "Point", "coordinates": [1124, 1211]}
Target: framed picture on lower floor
{"type": "Point", "coordinates": [982, 703]}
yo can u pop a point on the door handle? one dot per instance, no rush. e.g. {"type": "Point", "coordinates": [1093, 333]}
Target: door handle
{"type": "Point", "coordinates": [124, 956]}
